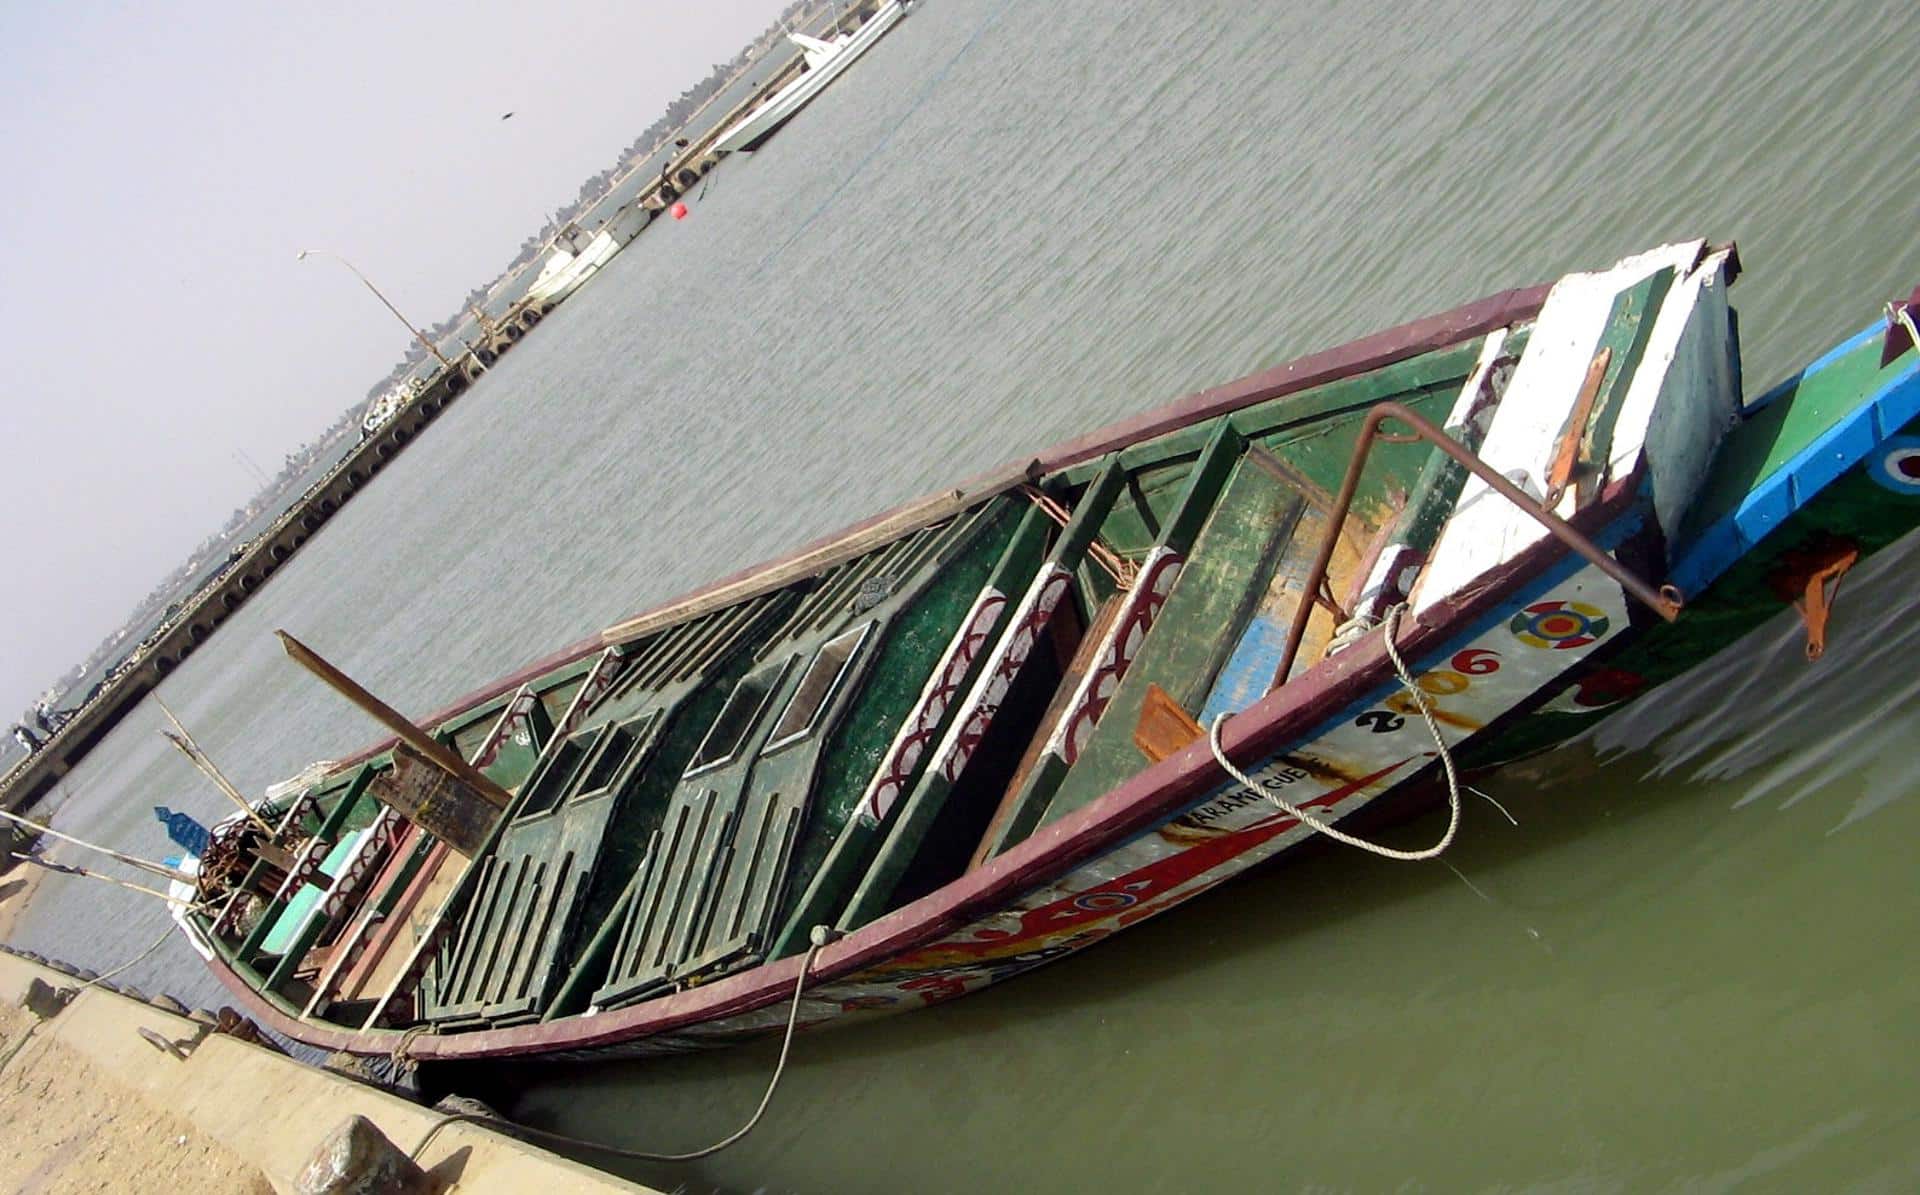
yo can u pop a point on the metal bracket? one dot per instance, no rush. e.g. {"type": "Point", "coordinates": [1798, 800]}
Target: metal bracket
{"type": "Point", "coordinates": [1665, 601]}
{"type": "Point", "coordinates": [1809, 579]}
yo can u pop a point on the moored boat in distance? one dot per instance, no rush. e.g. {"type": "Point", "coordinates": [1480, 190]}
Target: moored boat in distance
{"type": "Point", "coordinates": [575, 258]}
{"type": "Point", "coordinates": [391, 402]}
{"type": "Point", "coordinates": [990, 728]}
{"type": "Point", "coordinates": [824, 62]}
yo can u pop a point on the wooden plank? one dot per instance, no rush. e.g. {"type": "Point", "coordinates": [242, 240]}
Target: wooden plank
{"type": "Point", "coordinates": [1164, 728]}
{"type": "Point", "coordinates": [348, 958]}
{"type": "Point", "coordinates": [1690, 356]}
{"type": "Point", "coordinates": [562, 839]}
{"type": "Point", "coordinates": [447, 882]}
{"type": "Point", "coordinates": [1220, 585]}
{"type": "Point", "coordinates": [1103, 661]}
{"type": "Point", "coordinates": [410, 918]}
{"type": "Point", "coordinates": [1019, 635]}
{"type": "Point", "coordinates": [1581, 310]}
{"type": "Point", "coordinates": [1248, 672]}
{"type": "Point", "coordinates": [906, 758]}
{"type": "Point", "coordinates": [1040, 768]}
{"type": "Point", "coordinates": [414, 737]}
{"type": "Point", "coordinates": [441, 804]}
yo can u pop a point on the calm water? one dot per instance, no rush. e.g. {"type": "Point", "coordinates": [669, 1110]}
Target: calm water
{"type": "Point", "coordinates": [1689, 965]}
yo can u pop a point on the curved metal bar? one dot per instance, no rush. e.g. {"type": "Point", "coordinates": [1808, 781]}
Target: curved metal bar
{"type": "Point", "coordinates": [1665, 601]}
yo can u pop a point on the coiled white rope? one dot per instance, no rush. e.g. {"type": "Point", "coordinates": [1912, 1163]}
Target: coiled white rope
{"type": "Point", "coordinates": [1392, 624]}
{"type": "Point", "coordinates": [1350, 632]}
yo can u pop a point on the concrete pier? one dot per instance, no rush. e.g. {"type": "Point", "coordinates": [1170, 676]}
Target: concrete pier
{"type": "Point", "coordinates": [204, 611]}
{"type": "Point", "coordinates": [267, 1110]}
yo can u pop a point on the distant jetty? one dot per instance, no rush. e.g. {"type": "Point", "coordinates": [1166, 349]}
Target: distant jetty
{"type": "Point", "coordinates": [193, 620]}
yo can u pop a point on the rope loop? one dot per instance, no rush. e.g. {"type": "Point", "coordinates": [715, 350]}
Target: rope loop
{"type": "Point", "coordinates": [402, 1055]}
{"type": "Point", "coordinates": [1392, 623]}
{"type": "Point", "coordinates": [1899, 313]}
{"type": "Point", "coordinates": [1351, 632]}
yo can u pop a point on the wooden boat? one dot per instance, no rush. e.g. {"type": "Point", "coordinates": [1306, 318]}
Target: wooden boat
{"type": "Point", "coordinates": [992, 727]}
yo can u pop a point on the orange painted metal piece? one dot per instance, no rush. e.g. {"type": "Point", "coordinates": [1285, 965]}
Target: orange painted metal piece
{"type": "Point", "coordinates": [1810, 579]}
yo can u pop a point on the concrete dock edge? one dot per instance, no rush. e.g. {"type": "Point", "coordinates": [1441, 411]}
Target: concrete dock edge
{"type": "Point", "coordinates": [273, 1111]}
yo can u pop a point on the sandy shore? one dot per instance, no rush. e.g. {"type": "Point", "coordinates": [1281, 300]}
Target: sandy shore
{"type": "Point", "coordinates": [16, 892]}
{"type": "Point", "coordinates": [65, 1126]}
{"type": "Point", "coordinates": [88, 1103]}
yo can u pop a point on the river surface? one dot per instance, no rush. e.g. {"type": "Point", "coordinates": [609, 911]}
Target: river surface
{"type": "Point", "coordinates": [1688, 966]}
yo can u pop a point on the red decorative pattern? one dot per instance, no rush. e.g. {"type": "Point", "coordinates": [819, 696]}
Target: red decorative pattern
{"type": "Point", "coordinates": [1012, 656]}
{"type": "Point", "coordinates": [513, 724]}
{"type": "Point", "coordinates": [914, 737]}
{"type": "Point", "coordinates": [1129, 632]}
{"type": "Point", "coordinates": [1040, 925]}
{"type": "Point", "coordinates": [372, 851]}
{"type": "Point", "coordinates": [599, 680]}
{"type": "Point", "coordinates": [306, 869]}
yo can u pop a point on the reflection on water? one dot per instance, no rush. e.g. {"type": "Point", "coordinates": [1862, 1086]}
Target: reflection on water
{"type": "Point", "coordinates": [1794, 728]}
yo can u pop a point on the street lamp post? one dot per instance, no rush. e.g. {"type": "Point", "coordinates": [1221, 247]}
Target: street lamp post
{"type": "Point", "coordinates": [417, 333]}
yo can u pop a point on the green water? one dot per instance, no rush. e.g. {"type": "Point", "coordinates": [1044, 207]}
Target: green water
{"type": "Point", "coordinates": [1688, 967]}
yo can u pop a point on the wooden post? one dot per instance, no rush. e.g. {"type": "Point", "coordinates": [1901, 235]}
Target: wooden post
{"type": "Point", "coordinates": [422, 742]}
{"type": "Point", "coordinates": [274, 855]}
{"type": "Point", "coordinates": [70, 870]}
{"type": "Point", "coordinates": [190, 749]}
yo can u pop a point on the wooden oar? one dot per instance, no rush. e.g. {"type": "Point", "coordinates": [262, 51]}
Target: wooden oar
{"type": "Point", "coordinates": [68, 869]}
{"type": "Point", "coordinates": [160, 869]}
{"type": "Point", "coordinates": [190, 749]}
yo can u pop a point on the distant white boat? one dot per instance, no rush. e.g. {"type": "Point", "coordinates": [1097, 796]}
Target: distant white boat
{"type": "Point", "coordinates": [390, 404]}
{"type": "Point", "coordinates": [566, 268]}
{"type": "Point", "coordinates": [825, 61]}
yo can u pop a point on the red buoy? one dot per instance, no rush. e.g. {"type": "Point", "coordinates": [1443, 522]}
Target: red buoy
{"type": "Point", "coordinates": [679, 211]}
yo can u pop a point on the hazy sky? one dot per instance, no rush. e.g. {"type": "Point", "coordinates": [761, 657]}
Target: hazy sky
{"type": "Point", "coordinates": [163, 163]}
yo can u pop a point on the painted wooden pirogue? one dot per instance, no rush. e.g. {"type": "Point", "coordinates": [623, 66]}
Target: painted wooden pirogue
{"type": "Point", "coordinates": [972, 733]}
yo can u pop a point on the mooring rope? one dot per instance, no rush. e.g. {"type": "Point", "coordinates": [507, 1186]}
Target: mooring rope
{"type": "Point", "coordinates": [138, 958]}
{"type": "Point", "coordinates": [401, 1057]}
{"type": "Point", "coordinates": [34, 1028]}
{"type": "Point", "coordinates": [1351, 632]}
{"type": "Point", "coordinates": [1392, 623]}
{"type": "Point", "coordinates": [1905, 319]}
{"type": "Point", "coordinates": [820, 937]}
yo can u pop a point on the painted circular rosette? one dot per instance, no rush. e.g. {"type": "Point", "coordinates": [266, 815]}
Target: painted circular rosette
{"type": "Point", "coordinates": [1559, 625]}
{"type": "Point", "coordinates": [1105, 902]}
{"type": "Point", "coordinates": [1897, 467]}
